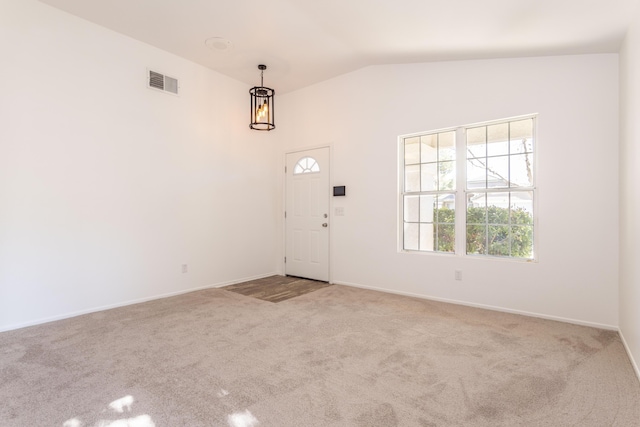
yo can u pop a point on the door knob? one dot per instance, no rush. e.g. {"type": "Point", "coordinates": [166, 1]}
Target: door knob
{"type": "Point", "coordinates": [325, 225]}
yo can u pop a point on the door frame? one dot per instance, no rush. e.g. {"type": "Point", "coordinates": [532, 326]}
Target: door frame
{"type": "Point", "coordinates": [283, 266]}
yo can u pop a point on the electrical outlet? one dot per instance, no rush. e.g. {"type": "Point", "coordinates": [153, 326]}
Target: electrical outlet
{"type": "Point", "coordinates": [458, 274]}
{"type": "Point", "coordinates": [185, 269]}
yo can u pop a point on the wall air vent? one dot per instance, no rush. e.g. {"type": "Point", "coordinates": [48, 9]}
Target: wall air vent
{"type": "Point", "coordinates": [161, 82]}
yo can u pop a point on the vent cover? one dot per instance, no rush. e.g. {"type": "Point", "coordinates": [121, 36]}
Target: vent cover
{"type": "Point", "coordinates": [161, 82]}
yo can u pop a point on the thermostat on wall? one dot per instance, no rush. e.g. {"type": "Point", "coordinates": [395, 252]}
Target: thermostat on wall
{"type": "Point", "coordinates": [340, 191]}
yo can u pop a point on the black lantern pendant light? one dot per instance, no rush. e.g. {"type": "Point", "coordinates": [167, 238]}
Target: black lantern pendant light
{"type": "Point", "coordinates": [262, 105]}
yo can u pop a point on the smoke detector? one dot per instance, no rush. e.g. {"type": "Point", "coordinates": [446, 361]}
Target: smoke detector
{"type": "Point", "coordinates": [219, 44]}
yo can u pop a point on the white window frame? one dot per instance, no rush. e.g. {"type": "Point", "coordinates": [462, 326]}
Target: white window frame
{"type": "Point", "coordinates": [461, 191]}
{"type": "Point", "coordinates": [426, 192]}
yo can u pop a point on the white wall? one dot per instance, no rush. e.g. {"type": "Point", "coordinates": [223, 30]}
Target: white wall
{"type": "Point", "coordinates": [630, 191]}
{"type": "Point", "coordinates": [108, 187]}
{"type": "Point", "coordinates": [362, 113]}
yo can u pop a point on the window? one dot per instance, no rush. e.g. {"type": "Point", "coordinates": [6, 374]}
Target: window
{"type": "Point", "coordinates": [495, 161]}
{"type": "Point", "coordinates": [306, 165]}
{"type": "Point", "coordinates": [500, 189]}
{"type": "Point", "coordinates": [429, 192]}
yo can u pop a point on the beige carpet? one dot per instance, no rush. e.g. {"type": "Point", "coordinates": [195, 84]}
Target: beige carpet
{"type": "Point", "coordinates": [338, 356]}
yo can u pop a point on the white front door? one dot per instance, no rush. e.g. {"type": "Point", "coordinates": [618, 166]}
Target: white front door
{"type": "Point", "coordinates": [307, 214]}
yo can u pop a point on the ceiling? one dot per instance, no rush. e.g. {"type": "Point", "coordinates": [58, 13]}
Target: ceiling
{"type": "Point", "coordinates": [306, 41]}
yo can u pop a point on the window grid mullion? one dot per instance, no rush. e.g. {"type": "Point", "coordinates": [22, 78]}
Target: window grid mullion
{"type": "Point", "coordinates": [420, 196]}
{"type": "Point", "coordinates": [486, 224]}
{"type": "Point", "coordinates": [511, 214]}
{"type": "Point", "coordinates": [460, 216]}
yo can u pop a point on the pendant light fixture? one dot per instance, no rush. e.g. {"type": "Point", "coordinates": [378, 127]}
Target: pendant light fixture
{"type": "Point", "coordinates": [262, 105]}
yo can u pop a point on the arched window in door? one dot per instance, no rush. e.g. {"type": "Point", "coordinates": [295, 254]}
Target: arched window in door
{"type": "Point", "coordinates": [306, 165]}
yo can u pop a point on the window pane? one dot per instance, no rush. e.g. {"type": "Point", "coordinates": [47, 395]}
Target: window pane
{"type": "Point", "coordinates": [498, 208]}
{"type": "Point", "coordinates": [429, 148]}
{"type": "Point", "coordinates": [476, 208]}
{"type": "Point", "coordinates": [476, 142]}
{"type": "Point", "coordinates": [447, 176]}
{"type": "Point", "coordinates": [498, 139]}
{"type": "Point", "coordinates": [522, 170]}
{"type": "Point", "coordinates": [498, 240]}
{"type": "Point", "coordinates": [447, 201]}
{"type": "Point", "coordinates": [522, 241]}
{"type": "Point", "coordinates": [446, 237]}
{"type": "Point", "coordinates": [498, 172]}
{"type": "Point", "coordinates": [522, 146]}
{"type": "Point", "coordinates": [446, 215]}
{"type": "Point", "coordinates": [426, 237]}
{"type": "Point", "coordinates": [411, 237]}
{"type": "Point", "coordinates": [412, 178]}
{"type": "Point", "coordinates": [429, 176]}
{"type": "Point", "coordinates": [522, 207]}
{"type": "Point", "coordinates": [447, 146]}
{"type": "Point", "coordinates": [476, 239]}
{"type": "Point", "coordinates": [306, 165]}
{"type": "Point", "coordinates": [476, 173]}
{"type": "Point", "coordinates": [446, 210]}
{"type": "Point", "coordinates": [412, 151]}
{"type": "Point", "coordinates": [427, 205]}
{"type": "Point", "coordinates": [521, 135]}
{"type": "Point", "coordinates": [411, 208]}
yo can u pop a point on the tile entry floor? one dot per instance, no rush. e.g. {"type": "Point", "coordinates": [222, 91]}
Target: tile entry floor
{"type": "Point", "coordinates": [276, 288]}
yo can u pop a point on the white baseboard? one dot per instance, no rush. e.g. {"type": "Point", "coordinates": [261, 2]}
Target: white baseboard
{"type": "Point", "coordinates": [484, 306]}
{"type": "Point", "coordinates": [633, 361]}
{"type": "Point", "coordinates": [125, 303]}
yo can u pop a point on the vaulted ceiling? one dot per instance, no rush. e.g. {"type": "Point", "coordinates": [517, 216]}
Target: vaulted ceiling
{"type": "Point", "coordinates": [306, 41]}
